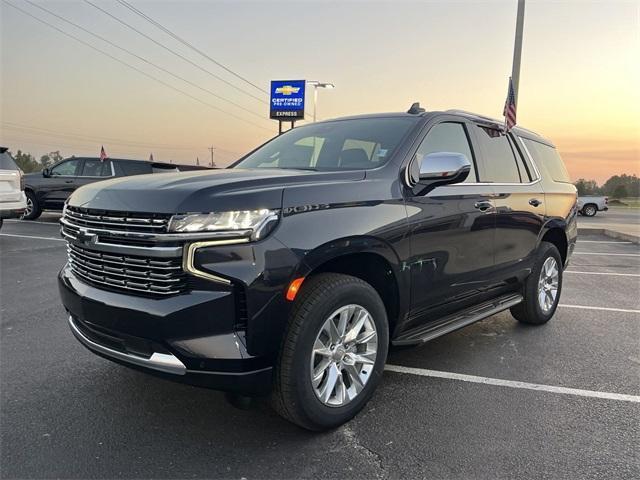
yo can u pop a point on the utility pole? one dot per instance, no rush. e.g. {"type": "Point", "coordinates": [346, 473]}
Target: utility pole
{"type": "Point", "coordinates": [197, 160]}
{"type": "Point", "coordinates": [517, 50]}
{"type": "Point", "coordinates": [212, 149]}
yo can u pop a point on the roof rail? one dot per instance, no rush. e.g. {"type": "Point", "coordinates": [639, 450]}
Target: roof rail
{"type": "Point", "coordinates": [475, 115]}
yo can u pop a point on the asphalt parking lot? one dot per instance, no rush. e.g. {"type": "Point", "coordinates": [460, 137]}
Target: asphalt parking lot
{"type": "Point", "coordinates": [495, 400]}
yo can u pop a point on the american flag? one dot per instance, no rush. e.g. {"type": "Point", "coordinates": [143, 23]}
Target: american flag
{"type": "Point", "coordinates": [510, 108]}
{"type": "Point", "coordinates": [103, 154]}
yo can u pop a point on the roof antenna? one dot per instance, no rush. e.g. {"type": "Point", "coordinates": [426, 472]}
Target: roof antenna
{"type": "Point", "coordinates": [416, 109]}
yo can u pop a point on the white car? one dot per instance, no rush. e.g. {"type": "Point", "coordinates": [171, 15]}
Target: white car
{"type": "Point", "coordinates": [590, 205]}
{"type": "Point", "coordinates": [12, 199]}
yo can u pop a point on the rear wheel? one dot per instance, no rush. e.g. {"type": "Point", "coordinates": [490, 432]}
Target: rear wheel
{"type": "Point", "coordinates": [542, 288]}
{"type": "Point", "coordinates": [333, 353]}
{"type": "Point", "coordinates": [33, 209]}
{"type": "Point", "coordinates": [589, 210]}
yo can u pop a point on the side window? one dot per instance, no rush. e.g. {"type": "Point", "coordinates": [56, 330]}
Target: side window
{"type": "Point", "coordinates": [94, 167]}
{"type": "Point", "coordinates": [448, 137]}
{"type": "Point", "coordinates": [135, 167]}
{"type": "Point", "coordinates": [548, 158]}
{"type": "Point", "coordinates": [68, 168]}
{"type": "Point", "coordinates": [500, 164]}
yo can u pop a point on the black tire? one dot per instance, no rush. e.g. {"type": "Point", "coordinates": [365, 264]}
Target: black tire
{"type": "Point", "coordinates": [530, 311]}
{"type": "Point", "coordinates": [293, 396]}
{"type": "Point", "coordinates": [590, 210]}
{"type": "Point", "coordinates": [35, 211]}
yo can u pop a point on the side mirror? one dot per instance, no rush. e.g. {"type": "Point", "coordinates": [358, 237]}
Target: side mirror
{"type": "Point", "coordinates": [443, 168]}
{"type": "Point", "coordinates": [46, 172]}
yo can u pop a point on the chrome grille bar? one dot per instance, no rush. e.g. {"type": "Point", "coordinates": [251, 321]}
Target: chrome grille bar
{"type": "Point", "coordinates": [138, 274]}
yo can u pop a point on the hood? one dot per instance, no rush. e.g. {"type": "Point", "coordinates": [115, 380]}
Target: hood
{"type": "Point", "coordinates": [201, 191]}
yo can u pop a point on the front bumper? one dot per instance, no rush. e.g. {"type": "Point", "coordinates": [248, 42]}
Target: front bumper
{"type": "Point", "coordinates": [190, 338]}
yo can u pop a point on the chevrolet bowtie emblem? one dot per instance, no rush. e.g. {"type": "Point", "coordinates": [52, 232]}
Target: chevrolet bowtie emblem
{"type": "Point", "coordinates": [86, 237]}
{"type": "Point", "coordinates": [287, 90]}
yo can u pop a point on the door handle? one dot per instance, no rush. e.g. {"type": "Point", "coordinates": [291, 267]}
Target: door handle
{"type": "Point", "coordinates": [534, 202]}
{"type": "Point", "coordinates": [483, 206]}
{"type": "Point", "coordinates": [68, 181]}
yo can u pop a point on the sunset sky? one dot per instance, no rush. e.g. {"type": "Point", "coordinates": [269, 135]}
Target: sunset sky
{"type": "Point", "coordinates": [579, 80]}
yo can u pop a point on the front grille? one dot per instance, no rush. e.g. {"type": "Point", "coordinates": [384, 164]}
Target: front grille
{"type": "Point", "coordinates": [114, 221]}
{"type": "Point", "coordinates": [155, 276]}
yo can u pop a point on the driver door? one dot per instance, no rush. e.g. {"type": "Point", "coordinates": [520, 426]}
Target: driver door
{"type": "Point", "coordinates": [452, 231]}
{"type": "Point", "coordinates": [62, 181]}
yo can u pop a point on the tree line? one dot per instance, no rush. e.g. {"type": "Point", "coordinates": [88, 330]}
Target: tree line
{"type": "Point", "coordinates": [28, 162]}
{"type": "Point", "coordinates": [618, 186]}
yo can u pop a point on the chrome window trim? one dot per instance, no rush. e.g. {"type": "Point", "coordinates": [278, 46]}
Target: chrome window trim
{"type": "Point", "coordinates": [529, 156]}
{"type": "Point", "coordinates": [190, 252]}
{"type": "Point", "coordinates": [164, 362]}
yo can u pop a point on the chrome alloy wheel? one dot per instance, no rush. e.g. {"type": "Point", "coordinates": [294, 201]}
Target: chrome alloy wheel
{"type": "Point", "coordinates": [343, 355]}
{"type": "Point", "coordinates": [29, 209]}
{"type": "Point", "coordinates": [548, 285]}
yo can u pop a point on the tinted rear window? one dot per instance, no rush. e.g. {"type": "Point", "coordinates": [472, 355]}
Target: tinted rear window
{"type": "Point", "coordinates": [548, 159]}
{"type": "Point", "coordinates": [500, 164]}
{"type": "Point", "coordinates": [135, 168]}
{"type": "Point", "coordinates": [6, 162]}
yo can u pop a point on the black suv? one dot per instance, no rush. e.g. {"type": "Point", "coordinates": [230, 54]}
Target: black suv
{"type": "Point", "coordinates": [48, 190]}
{"type": "Point", "coordinates": [292, 272]}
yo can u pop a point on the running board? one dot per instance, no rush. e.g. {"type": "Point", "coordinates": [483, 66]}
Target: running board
{"type": "Point", "coordinates": [448, 324]}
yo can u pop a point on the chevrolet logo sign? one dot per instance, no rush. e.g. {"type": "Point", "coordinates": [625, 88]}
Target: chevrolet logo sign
{"type": "Point", "coordinates": [287, 90]}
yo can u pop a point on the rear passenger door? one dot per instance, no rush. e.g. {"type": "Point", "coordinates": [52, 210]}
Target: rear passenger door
{"type": "Point", "coordinates": [94, 170]}
{"type": "Point", "coordinates": [519, 199]}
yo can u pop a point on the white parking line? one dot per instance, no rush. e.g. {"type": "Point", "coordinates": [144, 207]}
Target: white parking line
{"type": "Point", "coordinates": [512, 383]}
{"type": "Point", "coordinates": [605, 241]}
{"type": "Point", "coordinates": [604, 309]}
{"type": "Point", "coordinates": [604, 273]}
{"type": "Point", "coordinates": [32, 236]}
{"type": "Point", "coordinates": [27, 222]}
{"type": "Point", "coordinates": [608, 254]}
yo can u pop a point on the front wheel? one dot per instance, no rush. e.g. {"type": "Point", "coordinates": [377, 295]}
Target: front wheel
{"type": "Point", "coordinates": [542, 288]}
{"type": "Point", "coordinates": [333, 353]}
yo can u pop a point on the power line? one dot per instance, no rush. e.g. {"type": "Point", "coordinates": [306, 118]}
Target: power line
{"type": "Point", "coordinates": [144, 59]}
{"type": "Point", "coordinates": [134, 68]}
{"type": "Point", "coordinates": [191, 46]}
{"type": "Point", "coordinates": [46, 132]}
{"type": "Point", "coordinates": [174, 52]}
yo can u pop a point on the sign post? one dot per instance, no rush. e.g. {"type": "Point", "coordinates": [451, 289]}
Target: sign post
{"type": "Point", "coordinates": [287, 101]}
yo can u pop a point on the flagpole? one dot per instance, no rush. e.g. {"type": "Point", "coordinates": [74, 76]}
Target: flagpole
{"type": "Point", "coordinates": [517, 50]}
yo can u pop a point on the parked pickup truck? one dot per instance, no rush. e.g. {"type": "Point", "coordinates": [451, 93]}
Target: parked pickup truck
{"type": "Point", "coordinates": [291, 272]}
{"type": "Point", "coordinates": [590, 205]}
{"type": "Point", "coordinates": [48, 190]}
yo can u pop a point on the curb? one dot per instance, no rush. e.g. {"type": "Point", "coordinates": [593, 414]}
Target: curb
{"type": "Point", "coordinates": [627, 237]}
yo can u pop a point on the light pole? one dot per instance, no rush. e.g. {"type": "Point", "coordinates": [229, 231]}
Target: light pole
{"type": "Point", "coordinates": [517, 50]}
{"type": "Point", "coordinates": [316, 86]}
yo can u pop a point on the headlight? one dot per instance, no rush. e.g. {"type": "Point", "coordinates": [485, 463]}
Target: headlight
{"type": "Point", "coordinates": [253, 220]}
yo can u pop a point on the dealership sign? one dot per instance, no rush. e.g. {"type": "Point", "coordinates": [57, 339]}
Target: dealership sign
{"type": "Point", "coordinates": [287, 99]}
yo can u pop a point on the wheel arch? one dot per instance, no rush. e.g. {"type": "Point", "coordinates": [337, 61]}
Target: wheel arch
{"type": "Point", "coordinates": [368, 258]}
{"type": "Point", "coordinates": [555, 232]}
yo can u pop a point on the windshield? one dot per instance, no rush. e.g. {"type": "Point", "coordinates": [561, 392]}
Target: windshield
{"type": "Point", "coordinates": [340, 145]}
